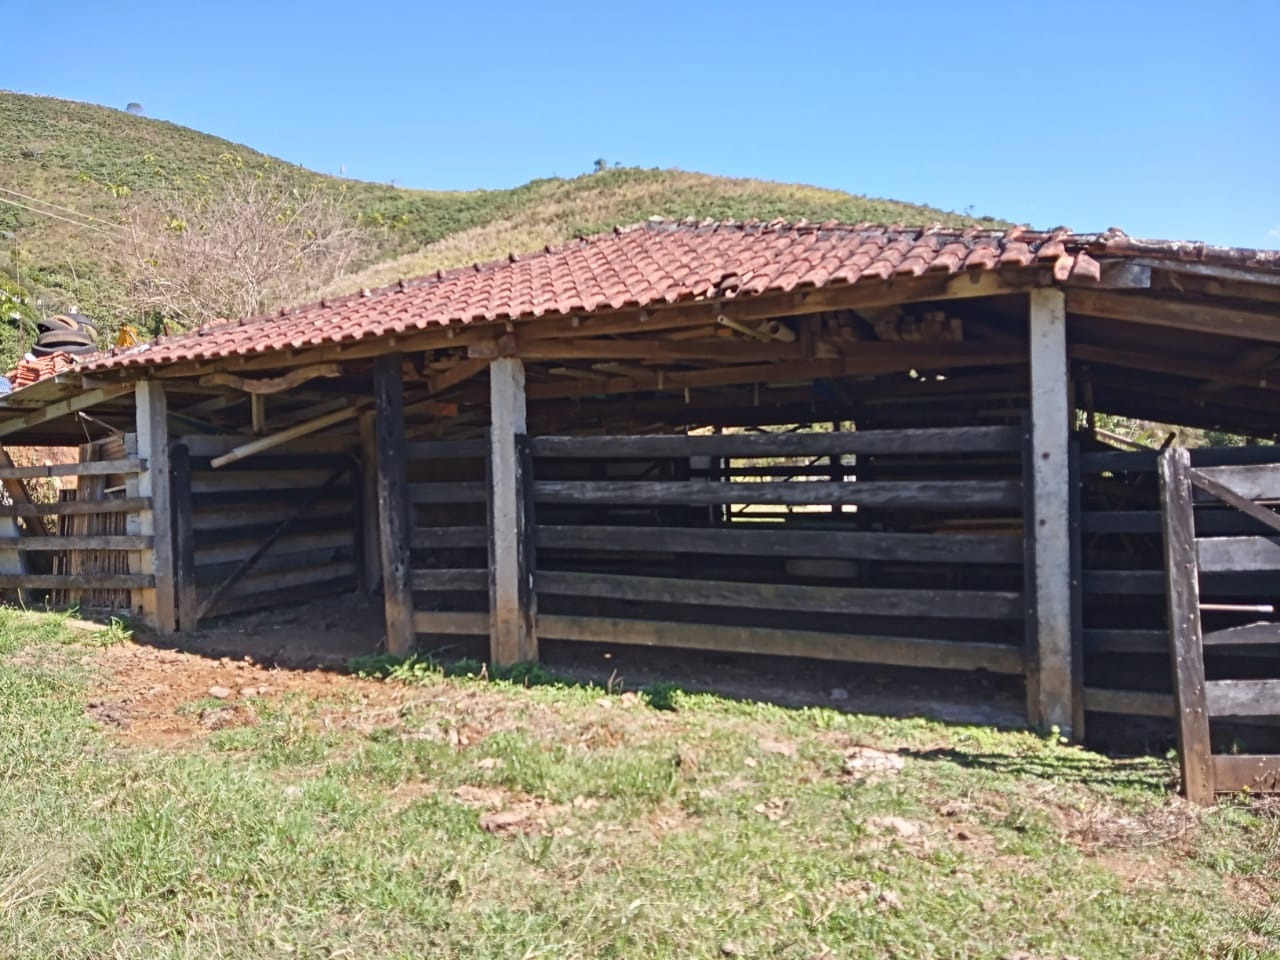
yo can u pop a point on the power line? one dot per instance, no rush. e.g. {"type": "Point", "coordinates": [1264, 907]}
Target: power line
{"type": "Point", "coordinates": [74, 223]}
{"type": "Point", "coordinates": [49, 203]}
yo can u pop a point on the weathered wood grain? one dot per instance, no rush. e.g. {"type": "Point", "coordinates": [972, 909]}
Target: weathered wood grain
{"type": "Point", "coordinates": [393, 502]}
{"type": "Point", "coordinates": [1242, 698]}
{"type": "Point", "coordinates": [982, 604]}
{"type": "Point", "coordinates": [513, 634]}
{"type": "Point", "coordinates": [1183, 598]}
{"type": "Point", "coordinates": [773, 541]}
{"type": "Point", "coordinates": [941, 494]}
{"type": "Point", "coordinates": [955, 440]}
{"type": "Point", "coordinates": [851, 647]}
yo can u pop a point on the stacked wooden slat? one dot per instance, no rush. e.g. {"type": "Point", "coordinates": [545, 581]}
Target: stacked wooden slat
{"type": "Point", "coordinates": [94, 563]}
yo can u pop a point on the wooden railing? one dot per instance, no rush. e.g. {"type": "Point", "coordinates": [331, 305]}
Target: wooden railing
{"type": "Point", "coordinates": [1122, 585]}
{"type": "Point", "coordinates": [636, 547]}
{"type": "Point", "coordinates": [1189, 554]}
{"type": "Point", "coordinates": [52, 577]}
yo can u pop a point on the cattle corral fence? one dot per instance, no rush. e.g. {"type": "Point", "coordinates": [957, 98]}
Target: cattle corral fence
{"type": "Point", "coordinates": [849, 443]}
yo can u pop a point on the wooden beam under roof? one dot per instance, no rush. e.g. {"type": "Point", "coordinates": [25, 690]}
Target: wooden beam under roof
{"type": "Point", "coordinates": [266, 386]}
{"type": "Point", "coordinates": [721, 349]}
{"type": "Point", "coordinates": [61, 408]}
{"type": "Point", "coordinates": [1178, 366]}
{"type": "Point", "coordinates": [1183, 315]}
{"type": "Point", "coordinates": [877, 358]}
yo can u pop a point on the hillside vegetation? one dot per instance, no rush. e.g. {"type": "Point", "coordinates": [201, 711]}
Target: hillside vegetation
{"type": "Point", "coordinates": [103, 162]}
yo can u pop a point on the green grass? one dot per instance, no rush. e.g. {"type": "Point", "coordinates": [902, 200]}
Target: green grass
{"type": "Point", "coordinates": [522, 817]}
{"type": "Point", "coordinates": [99, 161]}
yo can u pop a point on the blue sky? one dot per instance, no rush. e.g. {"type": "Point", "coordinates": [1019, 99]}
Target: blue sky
{"type": "Point", "coordinates": [1159, 117]}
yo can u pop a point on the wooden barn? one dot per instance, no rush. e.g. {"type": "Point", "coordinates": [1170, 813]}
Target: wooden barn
{"type": "Point", "coordinates": [853, 443]}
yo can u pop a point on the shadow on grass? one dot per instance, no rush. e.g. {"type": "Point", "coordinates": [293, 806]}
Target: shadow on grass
{"type": "Point", "coordinates": [1070, 766]}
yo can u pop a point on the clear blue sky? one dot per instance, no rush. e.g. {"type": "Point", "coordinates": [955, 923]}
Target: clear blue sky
{"type": "Point", "coordinates": [1160, 117]}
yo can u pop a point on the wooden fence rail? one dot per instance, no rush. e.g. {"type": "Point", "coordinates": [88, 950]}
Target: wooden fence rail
{"type": "Point", "coordinates": [1199, 700]}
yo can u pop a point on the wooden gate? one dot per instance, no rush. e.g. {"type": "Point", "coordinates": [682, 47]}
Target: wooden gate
{"type": "Point", "coordinates": [1200, 700]}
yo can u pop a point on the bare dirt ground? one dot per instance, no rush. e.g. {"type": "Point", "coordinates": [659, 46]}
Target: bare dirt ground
{"type": "Point", "coordinates": [164, 690]}
{"type": "Point", "coordinates": [158, 697]}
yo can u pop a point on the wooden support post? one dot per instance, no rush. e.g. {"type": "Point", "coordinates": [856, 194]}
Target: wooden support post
{"type": "Point", "coordinates": [1183, 575]}
{"type": "Point", "coordinates": [1051, 650]}
{"type": "Point", "coordinates": [1077, 595]}
{"type": "Point", "coordinates": [512, 602]}
{"type": "Point", "coordinates": [258, 413]}
{"type": "Point", "coordinates": [153, 482]}
{"type": "Point", "coordinates": [372, 554]}
{"type": "Point", "coordinates": [393, 502]}
{"type": "Point", "coordinates": [184, 537]}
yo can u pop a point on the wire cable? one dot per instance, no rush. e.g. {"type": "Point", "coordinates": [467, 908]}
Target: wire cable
{"type": "Point", "coordinates": [49, 203]}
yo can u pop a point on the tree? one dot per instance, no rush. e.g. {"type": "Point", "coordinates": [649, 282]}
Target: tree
{"type": "Point", "coordinates": [251, 242]}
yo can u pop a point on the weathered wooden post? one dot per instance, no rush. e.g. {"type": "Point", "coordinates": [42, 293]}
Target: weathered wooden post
{"type": "Point", "coordinates": [512, 602]}
{"type": "Point", "coordinates": [1183, 577]}
{"type": "Point", "coordinates": [371, 551]}
{"type": "Point", "coordinates": [184, 538]}
{"type": "Point", "coordinates": [1050, 653]}
{"type": "Point", "coordinates": [159, 605]}
{"type": "Point", "coordinates": [393, 502]}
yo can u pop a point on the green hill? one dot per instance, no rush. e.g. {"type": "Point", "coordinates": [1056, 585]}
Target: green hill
{"type": "Point", "coordinates": [99, 161]}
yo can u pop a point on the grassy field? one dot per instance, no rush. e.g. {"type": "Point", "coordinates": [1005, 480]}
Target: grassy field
{"type": "Point", "coordinates": [308, 815]}
{"type": "Point", "coordinates": [100, 161]}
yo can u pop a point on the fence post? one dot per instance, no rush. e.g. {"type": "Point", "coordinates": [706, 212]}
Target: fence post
{"type": "Point", "coordinates": [152, 413]}
{"type": "Point", "coordinates": [512, 602]}
{"type": "Point", "coordinates": [393, 503]}
{"type": "Point", "coordinates": [184, 537]}
{"type": "Point", "coordinates": [1051, 511]}
{"type": "Point", "coordinates": [1187, 652]}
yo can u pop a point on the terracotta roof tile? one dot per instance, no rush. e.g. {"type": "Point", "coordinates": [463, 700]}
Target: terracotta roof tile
{"type": "Point", "coordinates": [663, 261]}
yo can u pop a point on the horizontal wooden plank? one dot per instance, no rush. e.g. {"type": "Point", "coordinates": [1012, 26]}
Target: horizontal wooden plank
{"type": "Point", "coordinates": [229, 551]}
{"type": "Point", "coordinates": [1249, 634]}
{"type": "Point", "coordinates": [295, 595]}
{"type": "Point", "coordinates": [1137, 703]}
{"type": "Point", "coordinates": [54, 544]}
{"type": "Point", "coordinates": [1152, 583]}
{"type": "Point", "coordinates": [1257, 482]}
{"type": "Point", "coordinates": [217, 481]}
{"type": "Point", "coordinates": [446, 449]}
{"type": "Point", "coordinates": [94, 468]}
{"type": "Point", "coordinates": [1242, 698]}
{"type": "Point", "coordinates": [1126, 641]}
{"type": "Point", "coordinates": [439, 621]}
{"type": "Point", "coordinates": [774, 540]}
{"type": "Point", "coordinates": [287, 579]}
{"type": "Point", "coordinates": [455, 491]}
{"type": "Point", "coordinates": [1144, 461]}
{"type": "Point", "coordinates": [449, 579]}
{"type": "Point", "coordinates": [955, 494]}
{"type": "Point", "coordinates": [894, 651]}
{"type": "Point", "coordinates": [264, 512]}
{"type": "Point", "coordinates": [1236, 554]}
{"type": "Point", "coordinates": [79, 581]}
{"type": "Point", "coordinates": [202, 446]}
{"type": "Point", "coordinates": [267, 463]}
{"type": "Point", "coordinates": [449, 538]}
{"type": "Point", "coordinates": [915, 441]}
{"type": "Point", "coordinates": [75, 508]}
{"type": "Point", "coordinates": [982, 604]}
{"type": "Point", "coordinates": [1117, 461]}
{"type": "Point", "coordinates": [1257, 773]}
{"type": "Point", "coordinates": [1148, 521]}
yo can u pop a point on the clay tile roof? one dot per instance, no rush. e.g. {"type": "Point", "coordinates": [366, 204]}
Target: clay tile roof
{"type": "Point", "coordinates": [661, 262]}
